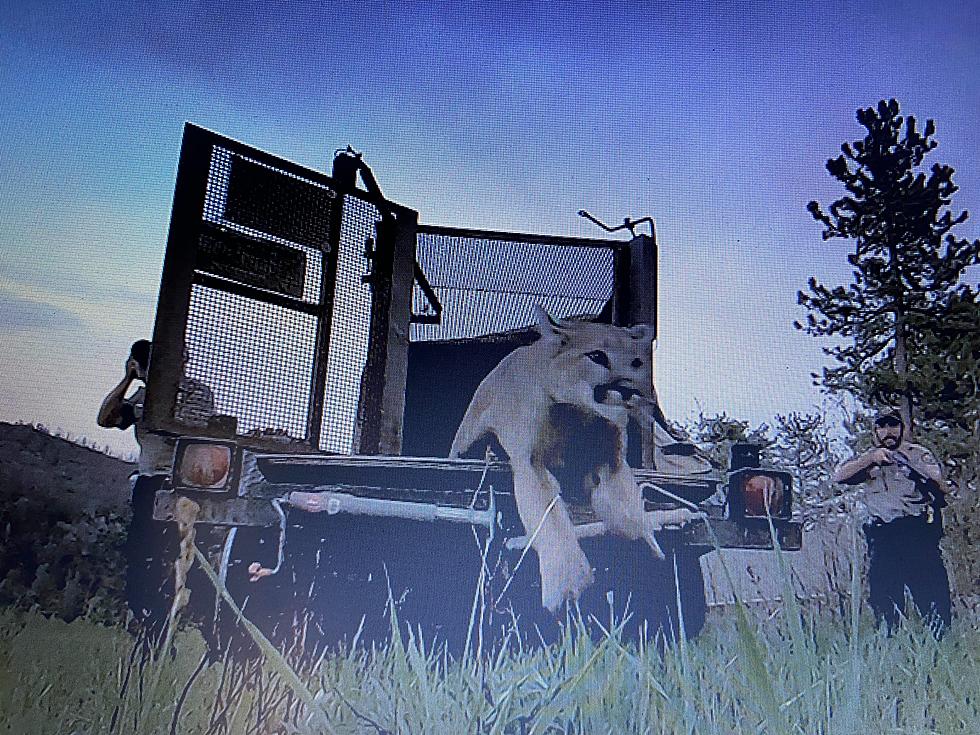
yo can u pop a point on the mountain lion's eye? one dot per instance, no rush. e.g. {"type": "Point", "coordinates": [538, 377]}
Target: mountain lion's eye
{"type": "Point", "coordinates": [599, 358]}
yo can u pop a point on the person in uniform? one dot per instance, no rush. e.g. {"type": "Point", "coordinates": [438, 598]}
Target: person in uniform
{"type": "Point", "coordinates": [151, 545]}
{"type": "Point", "coordinates": [904, 496]}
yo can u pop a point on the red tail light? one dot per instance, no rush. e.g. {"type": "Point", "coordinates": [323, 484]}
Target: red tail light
{"type": "Point", "coordinates": [762, 495]}
{"type": "Point", "coordinates": [204, 466]}
{"type": "Point", "coordinates": [758, 493]}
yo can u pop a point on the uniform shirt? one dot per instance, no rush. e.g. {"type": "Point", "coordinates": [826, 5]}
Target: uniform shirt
{"type": "Point", "coordinates": [194, 406]}
{"type": "Point", "coordinates": [890, 491]}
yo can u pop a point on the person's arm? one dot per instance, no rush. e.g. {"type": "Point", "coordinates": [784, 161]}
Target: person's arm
{"type": "Point", "coordinates": [930, 468]}
{"type": "Point", "coordinates": [115, 411]}
{"type": "Point", "coordinates": [854, 470]}
{"type": "Point", "coordinates": [927, 466]}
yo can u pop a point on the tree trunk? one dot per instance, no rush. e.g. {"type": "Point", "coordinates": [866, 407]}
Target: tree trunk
{"type": "Point", "coordinates": [902, 369]}
{"type": "Point", "coordinates": [901, 362]}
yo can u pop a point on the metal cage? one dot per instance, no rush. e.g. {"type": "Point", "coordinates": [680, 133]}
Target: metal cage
{"type": "Point", "coordinates": [295, 297]}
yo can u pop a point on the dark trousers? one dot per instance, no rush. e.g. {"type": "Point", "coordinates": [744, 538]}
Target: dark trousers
{"type": "Point", "coordinates": [905, 556]}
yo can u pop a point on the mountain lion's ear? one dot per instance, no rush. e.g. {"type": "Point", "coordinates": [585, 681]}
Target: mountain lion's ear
{"type": "Point", "coordinates": [549, 329]}
{"type": "Point", "coordinates": [546, 325]}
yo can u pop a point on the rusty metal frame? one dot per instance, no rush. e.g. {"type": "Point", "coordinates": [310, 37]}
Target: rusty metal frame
{"type": "Point", "coordinates": [582, 242]}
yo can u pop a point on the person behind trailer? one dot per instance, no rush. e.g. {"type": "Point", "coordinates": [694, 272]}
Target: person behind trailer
{"type": "Point", "coordinates": [904, 495]}
{"type": "Point", "coordinates": [150, 543]}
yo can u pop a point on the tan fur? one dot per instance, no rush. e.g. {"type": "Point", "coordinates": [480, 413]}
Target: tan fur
{"type": "Point", "coordinates": [532, 400]}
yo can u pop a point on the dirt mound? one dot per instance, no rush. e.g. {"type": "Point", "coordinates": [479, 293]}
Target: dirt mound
{"type": "Point", "coordinates": [67, 477]}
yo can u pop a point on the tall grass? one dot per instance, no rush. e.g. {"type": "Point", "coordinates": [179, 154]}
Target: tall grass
{"type": "Point", "coordinates": [790, 673]}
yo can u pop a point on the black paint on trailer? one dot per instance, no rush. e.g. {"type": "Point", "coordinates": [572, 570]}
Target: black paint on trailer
{"type": "Point", "coordinates": [343, 574]}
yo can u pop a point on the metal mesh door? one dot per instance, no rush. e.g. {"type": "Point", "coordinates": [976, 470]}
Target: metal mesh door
{"type": "Point", "coordinates": [264, 271]}
{"type": "Point", "coordinates": [255, 348]}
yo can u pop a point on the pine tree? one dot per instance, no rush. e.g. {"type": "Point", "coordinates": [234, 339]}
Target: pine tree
{"type": "Point", "coordinates": [907, 264]}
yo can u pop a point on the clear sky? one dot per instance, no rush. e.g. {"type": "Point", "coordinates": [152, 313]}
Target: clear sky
{"type": "Point", "coordinates": [714, 118]}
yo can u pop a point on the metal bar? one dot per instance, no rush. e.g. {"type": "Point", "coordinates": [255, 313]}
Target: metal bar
{"type": "Point", "coordinates": [722, 533]}
{"type": "Point", "coordinates": [328, 284]}
{"type": "Point", "coordinates": [430, 297]}
{"type": "Point", "coordinates": [446, 463]}
{"type": "Point", "coordinates": [367, 435]}
{"type": "Point", "coordinates": [517, 292]}
{"type": "Point", "coordinates": [581, 242]}
{"type": "Point", "coordinates": [333, 503]}
{"type": "Point", "coordinates": [641, 273]}
{"type": "Point", "coordinates": [166, 364]}
{"type": "Point", "coordinates": [660, 519]}
{"type": "Point", "coordinates": [378, 460]}
{"type": "Point", "coordinates": [391, 420]}
{"type": "Point", "coordinates": [256, 512]}
{"type": "Point", "coordinates": [256, 294]}
{"type": "Point", "coordinates": [668, 494]}
{"type": "Point", "coordinates": [260, 156]}
{"type": "Point", "coordinates": [622, 295]}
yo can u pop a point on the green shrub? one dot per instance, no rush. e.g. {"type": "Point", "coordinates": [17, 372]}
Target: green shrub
{"type": "Point", "coordinates": [58, 565]}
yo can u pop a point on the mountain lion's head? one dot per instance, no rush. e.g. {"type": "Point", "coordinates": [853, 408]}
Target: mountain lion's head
{"type": "Point", "coordinates": [615, 363]}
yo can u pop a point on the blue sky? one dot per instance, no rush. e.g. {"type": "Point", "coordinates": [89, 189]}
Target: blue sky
{"type": "Point", "coordinates": [715, 119]}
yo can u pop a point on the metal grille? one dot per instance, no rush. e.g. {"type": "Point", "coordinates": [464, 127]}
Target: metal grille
{"type": "Point", "coordinates": [248, 197]}
{"type": "Point", "coordinates": [488, 285]}
{"type": "Point", "coordinates": [257, 358]}
{"type": "Point", "coordinates": [349, 329]}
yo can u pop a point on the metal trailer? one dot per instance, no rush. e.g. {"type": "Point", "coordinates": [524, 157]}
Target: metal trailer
{"type": "Point", "coordinates": [342, 341]}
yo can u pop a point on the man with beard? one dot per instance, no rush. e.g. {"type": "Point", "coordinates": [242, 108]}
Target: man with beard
{"type": "Point", "coordinates": [904, 496]}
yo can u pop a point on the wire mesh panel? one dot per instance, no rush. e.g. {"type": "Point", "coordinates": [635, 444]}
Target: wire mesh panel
{"type": "Point", "coordinates": [256, 357]}
{"type": "Point", "coordinates": [490, 283]}
{"type": "Point", "coordinates": [266, 288]}
{"type": "Point", "coordinates": [258, 291]}
{"type": "Point", "coordinates": [349, 329]}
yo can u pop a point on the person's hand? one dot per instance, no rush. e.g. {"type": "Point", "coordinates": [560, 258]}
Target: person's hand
{"type": "Point", "coordinates": [132, 369]}
{"type": "Point", "coordinates": [881, 456]}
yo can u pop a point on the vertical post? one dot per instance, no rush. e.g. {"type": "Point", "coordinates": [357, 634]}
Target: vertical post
{"type": "Point", "coordinates": [642, 309]}
{"type": "Point", "coordinates": [642, 306]}
{"type": "Point", "coordinates": [622, 290]}
{"type": "Point", "coordinates": [382, 400]}
{"type": "Point", "coordinates": [166, 364]}
{"type": "Point", "coordinates": [345, 180]}
{"type": "Point", "coordinates": [396, 367]}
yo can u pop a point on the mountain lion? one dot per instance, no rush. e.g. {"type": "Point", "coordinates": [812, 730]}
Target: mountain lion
{"type": "Point", "coordinates": [559, 408]}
